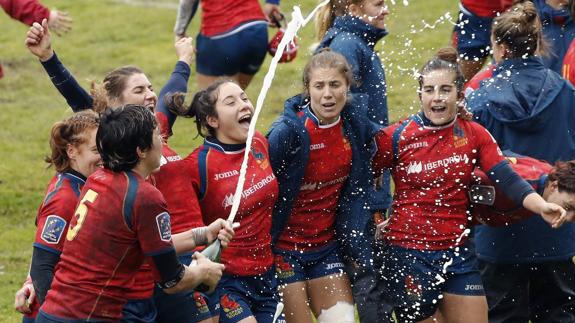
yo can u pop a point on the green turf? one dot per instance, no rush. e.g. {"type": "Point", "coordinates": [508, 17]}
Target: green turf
{"type": "Point", "coordinates": [110, 33]}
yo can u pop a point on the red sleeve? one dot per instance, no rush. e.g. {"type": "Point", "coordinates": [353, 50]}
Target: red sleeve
{"type": "Point", "coordinates": [152, 222]}
{"type": "Point", "coordinates": [26, 11]}
{"type": "Point", "coordinates": [53, 220]}
{"type": "Point", "coordinates": [489, 152]}
{"type": "Point", "coordinates": [383, 158]}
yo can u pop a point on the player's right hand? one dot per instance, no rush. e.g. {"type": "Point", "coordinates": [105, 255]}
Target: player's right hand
{"type": "Point", "coordinates": [60, 22]}
{"type": "Point", "coordinates": [39, 41]}
{"type": "Point", "coordinates": [185, 50]}
{"type": "Point", "coordinates": [24, 297]}
{"type": "Point", "coordinates": [211, 271]}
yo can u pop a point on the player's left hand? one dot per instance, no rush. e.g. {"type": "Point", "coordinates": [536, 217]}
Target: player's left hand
{"type": "Point", "coordinates": [273, 14]}
{"type": "Point", "coordinates": [24, 297]}
{"type": "Point", "coordinates": [222, 230]}
{"type": "Point", "coordinates": [60, 22]}
{"type": "Point", "coordinates": [553, 214]}
{"type": "Point", "coordinates": [185, 50]}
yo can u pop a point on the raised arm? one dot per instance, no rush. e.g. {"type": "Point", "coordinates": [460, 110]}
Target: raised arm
{"type": "Point", "coordinates": [178, 82]}
{"type": "Point", "coordinates": [39, 43]}
{"type": "Point", "coordinates": [186, 11]}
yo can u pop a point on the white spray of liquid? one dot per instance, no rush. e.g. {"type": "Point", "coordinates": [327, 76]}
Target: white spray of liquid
{"type": "Point", "coordinates": [295, 24]}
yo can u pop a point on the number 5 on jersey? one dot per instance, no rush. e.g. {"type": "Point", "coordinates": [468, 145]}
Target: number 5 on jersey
{"type": "Point", "coordinates": [80, 214]}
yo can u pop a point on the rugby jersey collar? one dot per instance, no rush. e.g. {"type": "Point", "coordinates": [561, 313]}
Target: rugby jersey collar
{"type": "Point", "coordinates": [310, 115]}
{"type": "Point", "coordinates": [213, 142]}
{"type": "Point", "coordinates": [74, 175]}
{"type": "Point", "coordinates": [422, 120]}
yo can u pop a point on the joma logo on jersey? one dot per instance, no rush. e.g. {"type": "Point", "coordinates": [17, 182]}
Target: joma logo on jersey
{"type": "Point", "coordinates": [416, 145]}
{"type": "Point", "coordinates": [226, 174]}
{"type": "Point", "coordinates": [317, 146]}
{"type": "Point", "coordinates": [334, 265]}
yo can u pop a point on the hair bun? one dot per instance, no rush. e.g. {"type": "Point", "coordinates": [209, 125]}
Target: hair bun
{"type": "Point", "coordinates": [448, 54]}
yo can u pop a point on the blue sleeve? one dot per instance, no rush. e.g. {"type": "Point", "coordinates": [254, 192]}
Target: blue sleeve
{"type": "Point", "coordinates": [280, 142]}
{"type": "Point", "coordinates": [178, 82]}
{"type": "Point", "coordinates": [507, 180]}
{"type": "Point", "coordinates": [276, 2]}
{"type": "Point", "coordinates": [76, 97]}
{"type": "Point", "coordinates": [42, 271]}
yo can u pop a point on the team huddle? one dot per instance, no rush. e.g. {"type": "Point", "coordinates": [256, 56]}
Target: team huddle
{"type": "Point", "coordinates": [484, 168]}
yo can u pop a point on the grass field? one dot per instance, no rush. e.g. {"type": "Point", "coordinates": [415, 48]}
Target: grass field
{"type": "Point", "coordinates": [108, 34]}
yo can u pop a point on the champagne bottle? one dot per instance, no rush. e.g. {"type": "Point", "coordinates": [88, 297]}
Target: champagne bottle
{"type": "Point", "coordinates": [213, 252]}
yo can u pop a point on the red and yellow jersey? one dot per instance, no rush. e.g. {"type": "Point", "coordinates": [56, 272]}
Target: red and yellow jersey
{"type": "Point", "coordinates": [56, 211]}
{"type": "Point", "coordinates": [569, 64]}
{"type": "Point", "coordinates": [214, 170]}
{"type": "Point", "coordinates": [503, 210]}
{"type": "Point", "coordinates": [120, 219]}
{"type": "Point", "coordinates": [311, 223]}
{"type": "Point", "coordinates": [486, 8]}
{"type": "Point", "coordinates": [221, 16]}
{"type": "Point", "coordinates": [432, 170]}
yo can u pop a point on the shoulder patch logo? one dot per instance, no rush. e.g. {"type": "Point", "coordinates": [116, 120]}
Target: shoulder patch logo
{"type": "Point", "coordinates": [164, 227]}
{"type": "Point", "coordinates": [53, 229]}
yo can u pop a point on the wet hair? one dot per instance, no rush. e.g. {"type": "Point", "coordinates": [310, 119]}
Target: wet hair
{"type": "Point", "coordinates": [112, 86]}
{"type": "Point", "coordinates": [327, 14]}
{"type": "Point", "coordinates": [203, 106]}
{"type": "Point", "coordinates": [445, 59]}
{"type": "Point", "coordinates": [520, 30]}
{"type": "Point", "coordinates": [121, 131]}
{"type": "Point", "coordinates": [70, 131]}
{"type": "Point", "coordinates": [564, 174]}
{"type": "Point", "coordinates": [327, 59]}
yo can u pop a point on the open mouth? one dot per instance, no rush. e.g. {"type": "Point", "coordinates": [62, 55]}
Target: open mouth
{"type": "Point", "coordinates": [438, 109]}
{"type": "Point", "coordinates": [245, 120]}
{"type": "Point", "coordinates": [328, 105]}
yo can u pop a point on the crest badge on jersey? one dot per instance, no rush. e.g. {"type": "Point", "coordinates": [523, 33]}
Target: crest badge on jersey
{"type": "Point", "coordinates": [231, 307]}
{"type": "Point", "coordinates": [53, 229]}
{"type": "Point", "coordinates": [260, 158]}
{"type": "Point", "coordinates": [283, 268]}
{"type": "Point", "coordinates": [459, 139]}
{"type": "Point", "coordinates": [164, 227]}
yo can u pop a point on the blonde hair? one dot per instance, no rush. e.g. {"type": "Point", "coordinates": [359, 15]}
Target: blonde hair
{"type": "Point", "coordinates": [326, 15]}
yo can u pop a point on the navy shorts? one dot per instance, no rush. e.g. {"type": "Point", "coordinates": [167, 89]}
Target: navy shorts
{"type": "Point", "coordinates": [294, 266]}
{"type": "Point", "coordinates": [241, 50]}
{"type": "Point", "coordinates": [414, 280]}
{"type": "Point", "coordinates": [472, 35]}
{"type": "Point", "coordinates": [185, 307]}
{"type": "Point", "coordinates": [244, 296]}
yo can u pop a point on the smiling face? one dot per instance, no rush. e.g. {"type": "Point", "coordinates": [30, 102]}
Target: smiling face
{"type": "Point", "coordinates": [328, 93]}
{"type": "Point", "coordinates": [439, 96]}
{"type": "Point", "coordinates": [84, 157]}
{"type": "Point", "coordinates": [138, 90]}
{"type": "Point", "coordinates": [234, 113]}
{"type": "Point", "coordinates": [372, 12]}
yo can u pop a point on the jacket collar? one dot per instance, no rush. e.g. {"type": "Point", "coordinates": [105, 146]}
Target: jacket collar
{"type": "Point", "coordinates": [517, 63]}
{"type": "Point", "coordinates": [358, 27]}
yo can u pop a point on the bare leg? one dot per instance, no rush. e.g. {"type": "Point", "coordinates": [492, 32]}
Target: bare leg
{"type": "Point", "coordinates": [325, 292]}
{"type": "Point", "coordinates": [296, 303]}
{"type": "Point", "coordinates": [463, 309]}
